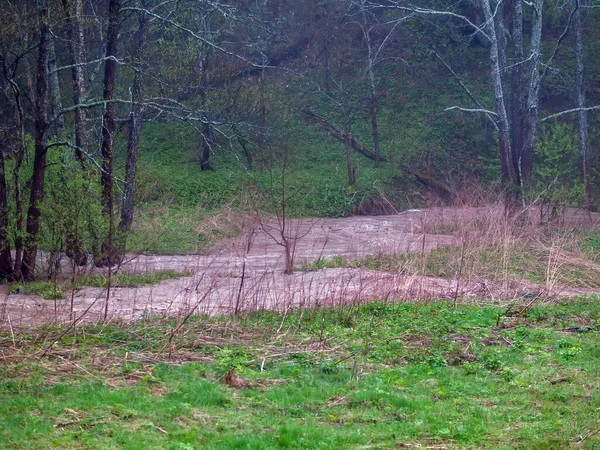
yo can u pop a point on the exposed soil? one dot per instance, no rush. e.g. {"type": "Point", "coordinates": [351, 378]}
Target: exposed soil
{"type": "Point", "coordinates": [246, 274]}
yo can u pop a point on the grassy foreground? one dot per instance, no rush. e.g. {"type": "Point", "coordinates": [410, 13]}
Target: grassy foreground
{"type": "Point", "coordinates": [374, 376]}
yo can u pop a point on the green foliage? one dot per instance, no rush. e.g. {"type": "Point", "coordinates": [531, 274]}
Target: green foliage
{"type": "Point", "coordinates": [325, 263]}
{"type": "Point", "coordinates": [55, 290]}
{"type": "Point", "coordinates": [402, 373]}
{"type": "Point", "coordinates": [130, 279]}
{"type": "Point", "coordinates": [72, 206]}
{"type": "Point", "coordinates": [556, 168]}
{"type": "Point", "coordinates": [45, 289]}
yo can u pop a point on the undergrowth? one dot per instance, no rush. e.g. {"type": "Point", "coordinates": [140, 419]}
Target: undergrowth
{"type": "Point", "coordinates": [379, 375]}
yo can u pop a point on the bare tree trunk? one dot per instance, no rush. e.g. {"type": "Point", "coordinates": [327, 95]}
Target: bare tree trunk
{"type": "Point", "coordinates": [207, 140]}
{"type": "Point", "coordinates": [508, 172]}
{"type": "Point", "coordinates": [39, 163]}
{"type": "Point", "coordinates": [531, 121]}
{"type": "Point", "coordinates": [108, 128]}
{"type": "Point", "coordinates": [20, 223]}
{"type": "Point", "coordinates": [135, 131]}
{"type": "Point", "coordinates": [207, 132]}
{"type": "Point", "coordinates": [28, 78]}
{"type": "Point", "coordinates": [516, 103]}
{"type": "Point", "coordinates": [19, 156]}
{"type": "Point", "coordinates": [583, 120]}
{"type": "Point", "coordinates": [373, 103]}
{"type": "Point", "coordinates": [73, 14]}
{"type": "Point", "coordinates": [262, 120]}
{"type": "Point", "coordinates": [247, 152]}
{"type": "Point", "coordinates": [350, 164]}
{"type": "Point", "coordinates": [501, 37]}
{"type": "Point", "coordinates": [54, 82]}
{"type": "Point", "coordinates": [5, 257]}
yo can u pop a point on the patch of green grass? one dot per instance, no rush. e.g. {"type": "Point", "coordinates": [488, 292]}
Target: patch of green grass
{"type": "Point", "coordinates": [131, 279]}
{"type": "Point", "coordinates": [590, 242]}
{"type": "Point", "coordinates": [55, 291]}
{"type": "Point", "coordinates": [45, 289]}
{"type": "Point", "coordinates": [379, 375]}
{"type": "Point", "coordinates": [167, 230]}
{"type": "Point", "coordinates": [331, 262]}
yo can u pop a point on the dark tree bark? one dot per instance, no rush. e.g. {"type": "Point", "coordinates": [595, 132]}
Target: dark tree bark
{"type": "Point", "coordinates": [5, 256]}
{"type": "Point", "coordinates": [18, 191]}
{"type": "Point", "coordinates": [73, 13]}
{"type": "Point", "coordinates": [135, 131]}
{"type": "Point", "coordinates": [207, 141]}
{"type": "Point", "coordinates": [246, 151]}
{"type": "Point", "coordinates": [509, 175]}
{"type": "Point", "coordinates": [207, 133]}
{"type": "Point", "coordinates": [371, 74]}
{"type": "Point", "coordinates": [39, 162]}
{"type": "Point", "coordinates": [531, 119]}
{"type": "Point", "coordinates": [583, 119]}
{"type": "Point", "coordinates": [262, 119]}
{"type": "Point", "coordinates": [20, 222]}
{"type": "Point", "coordinates": [54, 84]}
{"type": "Point", "coordinates": [516, 100]}
{"type": "Point", "coordinates": [73, 10]}
{"type": "Point", "coordinates": [350, 163]}
{"type": "Point", "coordinates": [109, 256]}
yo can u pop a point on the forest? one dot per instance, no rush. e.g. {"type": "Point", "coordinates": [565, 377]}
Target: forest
{"type": "Point", "coordinates": [104, 103]}
{"type": "Point", "coordinates": [299, 224]}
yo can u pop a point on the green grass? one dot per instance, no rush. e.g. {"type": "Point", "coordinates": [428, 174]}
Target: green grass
{"type": "Point", "coordinates": [131, 279]}
{"type": "Point", "coordinates": [590, 242]}
{"type": "Point", "coordinates": [55, 290]}
{"type": "Point", "coordinates": [375, 376]}
{"type": "Point", "coordinates": [45, 289]}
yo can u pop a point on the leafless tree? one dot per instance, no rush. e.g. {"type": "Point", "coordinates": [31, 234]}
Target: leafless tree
{"type": "Point", "coordinates": [108, 128]}
{"type": "Point", "coordinates": [73, 10]}
{"type": "Point", "coordinates": [576, 6]}
{"type": "Point", "coordinates": [516, 122]}
{"type": "Point", "coordinates": [135, 131]}
{"type": "Point", "coordinates": [41, 138]}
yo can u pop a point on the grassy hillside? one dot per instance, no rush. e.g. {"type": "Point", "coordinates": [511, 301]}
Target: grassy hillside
{"type": "Point", "coordinates": [372, 376]}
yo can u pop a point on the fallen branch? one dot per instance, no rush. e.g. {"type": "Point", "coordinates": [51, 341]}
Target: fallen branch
{"type": "Point", "coordinates": [445, 193]}
{"type": "Point", "coordinates": [338, 134]}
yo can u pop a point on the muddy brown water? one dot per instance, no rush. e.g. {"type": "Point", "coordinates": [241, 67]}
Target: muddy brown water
{"type": "Point", "coordinates": [246, 274]}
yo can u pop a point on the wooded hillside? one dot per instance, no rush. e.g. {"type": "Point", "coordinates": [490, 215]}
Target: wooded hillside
{"type": "Point", "coordinates": [118, 116]}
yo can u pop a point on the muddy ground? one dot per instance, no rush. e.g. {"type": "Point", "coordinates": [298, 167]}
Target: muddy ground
{"type": "Point", "coordinates": [246, 274]}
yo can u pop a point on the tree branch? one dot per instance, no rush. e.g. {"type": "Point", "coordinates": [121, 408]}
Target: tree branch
{"type": "Point", "coordinates": [471, 96]}
{"type": "Point", "coordinates": [426, 11]}
{"type": "Point", "coordinates": [85, 63]}
{"type": "Point", "coordinates": [569, 111]}
{"type": "Point", "coordinates": [476, 110]}
{"type": "Point", "coordinates": [340, 135]}
{"type": "Point", "coordinates": [196, 36]}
